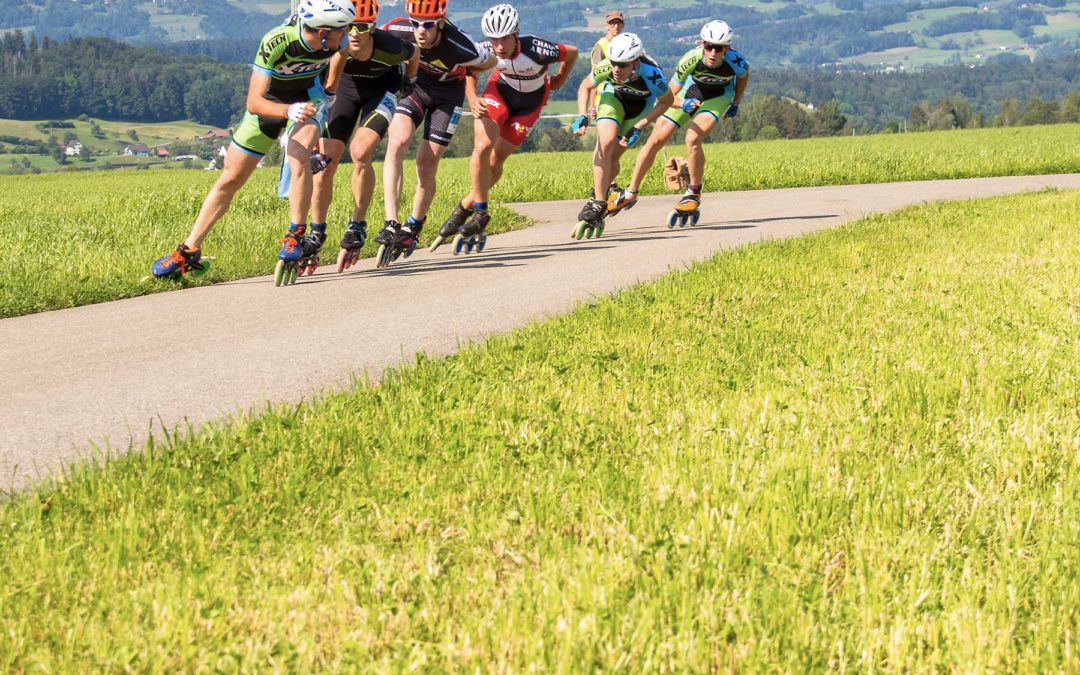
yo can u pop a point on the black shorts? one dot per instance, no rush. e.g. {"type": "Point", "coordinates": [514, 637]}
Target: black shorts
{"type": "Point", "coordinates": [370, 105]}
{"type": "Point", "coordinates": [439, 109]}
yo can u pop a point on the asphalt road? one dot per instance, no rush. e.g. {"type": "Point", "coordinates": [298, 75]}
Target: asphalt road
{"type": "Point", "coordinates": [105, 376]}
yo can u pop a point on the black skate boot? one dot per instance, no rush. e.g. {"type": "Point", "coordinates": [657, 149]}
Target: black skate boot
{"type": "Point", "coordinates": [389, 232]}
{"type": "Point", "coordinates": [473, 234]}
{"type": "Point", "coordinates": [452, 225]}
{"type": "Point", "coordinates": [591, 219]}
{"type": "Point", "coordinates": [351, 243]}
{"type": "Point", "coordinates": [310, 246]}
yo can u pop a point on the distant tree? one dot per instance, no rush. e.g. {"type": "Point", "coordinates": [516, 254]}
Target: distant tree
{"type": "Point", "coordinates": [132, 134]}
{"type": "Point", "coordinates": [1070, 107]}
{"type": "Point", "coordinates": [1008, 114]}
{"type": "Point", "coordinates": [1040, 112]}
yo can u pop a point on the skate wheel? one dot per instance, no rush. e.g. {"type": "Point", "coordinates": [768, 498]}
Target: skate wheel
{"type": "Point", "coordinates": [205, 262]}
{"type": "Point", "coordinates": [292, 270]}
{"type": "Point", "coordinates": [342, 261]}
{"type": "Point", "coordinates": [459, 243]}
{"type": "Point", "coordinates": [694, 218]}
{"type": "Point", "coordinates": [409, 250]}
{"type": "Point", "coordinates": [279, 273]}
{"type": "Point", "coordinates": [672, 218]}
{"type": "Point", "coordinates": [481, 242]}
{"type": "Point", "coordinates": [437, 243]}
{"type": "Point", "coordinates": [382, 259]}
{"type": "Point", "coordinates": [579, 231]}
{"type": "Point", "coordinates": [599, 230]}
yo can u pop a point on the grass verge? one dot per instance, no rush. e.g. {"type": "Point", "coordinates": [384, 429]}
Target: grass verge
{"type": "Point", "coordinates": [853, 450]}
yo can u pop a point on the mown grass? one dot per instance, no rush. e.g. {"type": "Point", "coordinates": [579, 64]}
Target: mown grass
{"type": "Point", "coordinates": [74, 240]}
{"type": "Point", "coordinates": [856, 450]}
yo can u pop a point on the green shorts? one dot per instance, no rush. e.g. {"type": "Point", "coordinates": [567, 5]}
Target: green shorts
{"type": "Point", "coordinates": [715, 106]}
{"type": "Point", "coordinates": [611, 108]}
{"type": "Point", "coordinates": [256, 135]}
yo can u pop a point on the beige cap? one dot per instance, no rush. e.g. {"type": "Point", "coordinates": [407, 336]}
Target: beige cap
{"type": "Point", "coordinates": [614, 15]}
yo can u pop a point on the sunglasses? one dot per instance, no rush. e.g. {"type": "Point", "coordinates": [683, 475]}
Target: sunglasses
{"type": "Point", "coordinates": [361, 28]}
{"type": "Point", "coordinates": [426, 25]}
{"type": "Point", "coordinates": [714, 48]}
{"type": "Point", "coordinates": [616, 22]}
{"type": "Point", "coordinates": [621, 64]}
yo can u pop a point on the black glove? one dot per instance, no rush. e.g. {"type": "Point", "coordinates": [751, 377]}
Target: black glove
{"type": "Point", "coordinates": [319, 162]}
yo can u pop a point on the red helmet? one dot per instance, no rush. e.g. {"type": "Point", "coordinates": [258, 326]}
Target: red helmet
{"type": "Point", "coordinates": [366, 11]}
{"type": "Point", "coordinates": [425, 9]}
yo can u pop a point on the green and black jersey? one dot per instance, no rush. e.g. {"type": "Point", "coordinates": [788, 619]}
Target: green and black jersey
{"type": "Point", "coordinates": [691, 71]}
{"type": "Point", "coordinates": [292, 64]}
{"type": "Point", "coordinates": [383, 69]}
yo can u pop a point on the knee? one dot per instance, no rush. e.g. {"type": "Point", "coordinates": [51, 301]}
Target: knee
{"type": "Point", "coordinates": [229, 183]}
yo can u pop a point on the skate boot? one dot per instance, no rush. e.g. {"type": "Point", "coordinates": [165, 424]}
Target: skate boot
{"type": "Point", "coordinates": [180, 263]}
{"type": "Point", "coordinates": [402, 243]}
{"type": "Point", "coordinates": [590, 220]}
{"type": "Point", "coordinates": [620, 201]}
{"type": "Point", "coordinates": [687, 211]}
{"type": "Point", "coordinates": [473, 234]}
{"type": "Point", "coordinates": [452, 225]}
{"type": "Point", "coordinates": [351, 243]}
{"type": "Point", "coordinates": [309, 250]}
{"type": "Point", "coordinates": [292, 250]}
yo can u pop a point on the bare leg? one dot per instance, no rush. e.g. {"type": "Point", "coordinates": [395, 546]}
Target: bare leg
{"type": "Point", "coordinates": [607, 139]}
{"type": "Point", "coordinates": [323, 182]}
{"type": "Point", "coordinates": [486, 135]}
{"type": "Point", "coordinates": [301, 143]}
{"type": "Point", "coordinates": [362, 149]}
{"type": "Point", "coordinates": [695, 135]}
{"type": "Point", "coordinates": [427, 162]}
{"type": "Point", "coordinates": [237, 171]}
{"type": "Point", "coordinates": [662, 133]}
{"type": "Point", "coordinates": [401, 131]}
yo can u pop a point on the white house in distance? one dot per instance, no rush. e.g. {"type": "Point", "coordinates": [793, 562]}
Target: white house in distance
{"type": "Point", "coordinates": [73, 148]}
{"type": "Point", "coordinates": [136, 150]}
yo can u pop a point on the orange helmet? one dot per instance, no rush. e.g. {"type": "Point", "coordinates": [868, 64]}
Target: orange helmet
{"type": "Point", "coordinates": [366, 11]}
{"type": "Point", "coordinates": [425, 9]}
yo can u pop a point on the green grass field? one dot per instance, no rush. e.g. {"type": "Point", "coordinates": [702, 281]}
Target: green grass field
{"type": "Point", "coordinates": [99, 233]}
{"type": "Point", "coordinates": [853, 451]}
{"type": "Point", "coordinates": [116, 134]}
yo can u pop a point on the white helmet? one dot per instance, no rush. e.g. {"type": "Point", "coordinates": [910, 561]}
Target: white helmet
{"type": "Point", "coordinates": [625, 47]}
{"type": "Point", "coordinates": [318, 14]}
{"type": "Point", "coordinates": [499, 21]}
{"type": "Point", "coordinates": [717, 33]}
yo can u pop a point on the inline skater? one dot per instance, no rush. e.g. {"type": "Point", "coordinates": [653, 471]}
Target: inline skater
{"type": "Point", "coordinates": [514, 96]}
{"type": "Point", "coordinates": [629, 82]}
{"type": "Point", "coordinates": [614, 23]}
{"type": "Point", "coordinates": [284, 87]}
{"type": "Point", "coordinates": [449, 62]}
{"type": "Point", "coordinates": [712, 78]}
{"type": "Point", "coordinates": [366, 80]}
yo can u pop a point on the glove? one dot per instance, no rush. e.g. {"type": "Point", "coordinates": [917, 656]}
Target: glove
{"type": "Point", "coordinates": [732, 110]}
{"type": "Point", "coordinates": [296, 110]}
{"type": "Point", "coordinates": [690, 105]}
{"type": "Point", "coordinates": [633, 137]}
{"type": "Point", "coordinates": [330, 98]}
{"type": "Point", "coordinates": [319, 162]}
{"type": "Point", "coordinates": [580, 122]}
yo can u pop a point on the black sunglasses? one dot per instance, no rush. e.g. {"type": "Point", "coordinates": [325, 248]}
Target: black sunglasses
{"type": "Point", "coordinates": [621, 64]}
{"type": "Point", "coordinates": [714, 48]}
{"type": "Point", "coordinates": [426, 25]}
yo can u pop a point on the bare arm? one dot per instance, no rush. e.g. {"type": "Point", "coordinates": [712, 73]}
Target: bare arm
{"type": "Point", "coordinates": [740, 87]}
{"type": "Point", "coordinates": [565, 68]}
{"type": "Point", "coordinates": [333, 77]}
{"type": "Point", "coordinates": [412, 66]}
{"type": "Point", "coordinates": [584, 92]}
